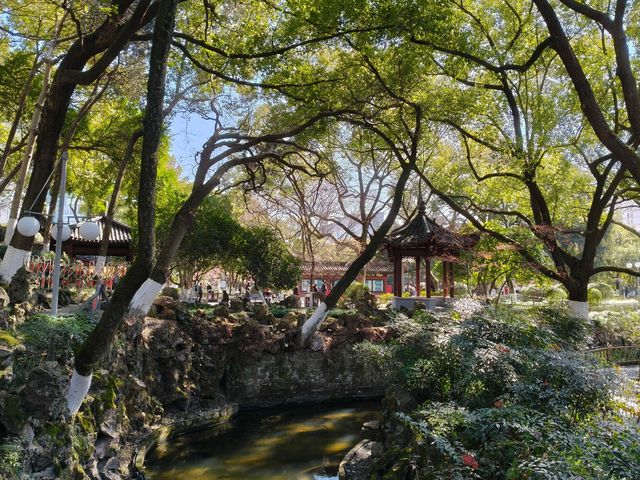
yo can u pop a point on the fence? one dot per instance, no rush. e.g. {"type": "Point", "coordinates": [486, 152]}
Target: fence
{"type": "Point", "coordinates": [73, 273]}
{"type": "Point", "coordinates": [622, 355]}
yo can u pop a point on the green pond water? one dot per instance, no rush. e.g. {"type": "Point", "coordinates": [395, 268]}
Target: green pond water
{"type": "Point", "coordinates": [302, 443]}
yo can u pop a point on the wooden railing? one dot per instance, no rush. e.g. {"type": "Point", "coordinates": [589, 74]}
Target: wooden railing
{"type": "Point", "coordinates": [620, 355]}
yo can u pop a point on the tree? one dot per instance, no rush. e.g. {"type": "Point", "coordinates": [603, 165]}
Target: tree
{"type": "Point", "coordinates": [266, 259]}
{"type": "Point", "coordinates": [543, 178]}
{"type": "Point", "coordinates": [209, 243]}
{"type": "Point", "coordinates": [100, 338]}
{"type": "Point", "coordinates": [98, 47]}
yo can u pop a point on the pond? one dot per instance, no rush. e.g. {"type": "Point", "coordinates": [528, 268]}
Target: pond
{"type": "Point", "coordinates": [301, 443]}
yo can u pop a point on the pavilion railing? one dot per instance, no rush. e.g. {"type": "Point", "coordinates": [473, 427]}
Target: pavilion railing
{"type": "Point", "coordinates": [73, 273]}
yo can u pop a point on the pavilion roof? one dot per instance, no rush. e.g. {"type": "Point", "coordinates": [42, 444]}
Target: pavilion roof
{"type": "Point", "coordinates": [423, 233]}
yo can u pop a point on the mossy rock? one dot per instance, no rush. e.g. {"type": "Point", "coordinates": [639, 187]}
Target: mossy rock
{"type": "Point", "coordinates": [7, 339]}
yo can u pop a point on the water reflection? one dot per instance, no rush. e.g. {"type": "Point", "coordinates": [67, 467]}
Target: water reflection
{"type": "Point", "coordinates": [305, 443]}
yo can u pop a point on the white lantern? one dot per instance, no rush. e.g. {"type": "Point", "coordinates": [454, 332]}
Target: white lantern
{"type": "Point", "coordinates": [66, 232]}
{"type": "Point", "coordinates": [28, 226]}
{"type": "Point", "coordinates": [89, 231]}
{"type": "Point", "coordinates": [629, 265]}
{"type": "Point", "coordinates": [637, 264]}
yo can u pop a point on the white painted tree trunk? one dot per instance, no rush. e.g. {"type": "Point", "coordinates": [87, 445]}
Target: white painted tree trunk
{"type": "Point", "coordinates": [100, 262]}
{"type": "Point", "coordinates": [78, 388]}
{"type": "Point", "coordinates": [145, 295]}
{"type": "Point", "coordinates": [11, 227]}
{"type": "Point", "coordinates": [310, 326]}
{"type": "Point", "coordinates": [14, 258]}
{"type": "Point", "coordinates": [579, 309]}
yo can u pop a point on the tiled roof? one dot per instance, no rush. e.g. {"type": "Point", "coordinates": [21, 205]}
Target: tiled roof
{"type": "Point", "coordinates": [421, 231]}
{"type": "Point", "coordinates": [120, 232]}
{"type": "Point", "coordinates": [339, 268]}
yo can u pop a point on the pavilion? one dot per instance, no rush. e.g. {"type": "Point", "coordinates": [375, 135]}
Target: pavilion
{"type": "Point", "coordinates": [422, 239]}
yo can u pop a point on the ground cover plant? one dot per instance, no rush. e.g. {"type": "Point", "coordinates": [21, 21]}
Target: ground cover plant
{"type": "Point", "coordinates": [501, 394]}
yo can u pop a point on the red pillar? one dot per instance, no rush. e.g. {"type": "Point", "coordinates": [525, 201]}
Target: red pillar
{"type": "Point", "coordinates": [397, 276]}
{"type": "Point", "coordinates": [417, 276]}
{"type": "Point", "coordinates": [428, 274]}
{"type": "Point", "coordinates": [451, 290]}
{"type": "Point", "coordinates": [445, 279]}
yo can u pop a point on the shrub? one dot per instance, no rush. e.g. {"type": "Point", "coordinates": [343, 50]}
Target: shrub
{"type": "Point", "coordinates": [460, 289]}
{"type": "Point", "coordinates": [500, 399]}
{"type": "Point", "coordinates": [605, 289]}
{"type": "Point", "coordinates": [385, 298]}
{"type": "Point", "coordinates": [555, 293]}
{"type": "Point", "coordinates": [353, 294]}
{"type": "Point", "coordinates": [594, 296]}
{"type": "Point", "coordinates": [570, 329]}
{"type": "Point", "coordinates": [532, 293]}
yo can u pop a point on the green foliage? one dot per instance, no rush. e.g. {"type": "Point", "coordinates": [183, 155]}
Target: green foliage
{"type": "Point", "coordinates": [500, 398]}
{"type": "Point", "coordinates": [384, 298]}
{"type": "Point", "coordinates": [555, 293]}
{"type": "Point", "coordinates": [8, 339]}
{"type": "Point", "coordinates": [3, 249]}
{"type": "Point", "coordinates": [570, 329]}
{"type": "Point", "coordinates": [11, 453]}
{"type": "Point", "coordinates": [604, 288]}
{"type": "Point", "coordinates": [279, 311]}
{"type": "Point", "coordinates": [58, 337]}
{"type": "Point", "coordinates": [532, 293]}
{"type": "Point", "coordinates": [353, 294]}
{"type": "Point", "coordinates": [616, 328]}
{"type": "Point", "coordinates": [206, 244]}
{"type": "Point", "coordinates": [594, 296]}
{"type": "Point", "coordinates": [262, 255]}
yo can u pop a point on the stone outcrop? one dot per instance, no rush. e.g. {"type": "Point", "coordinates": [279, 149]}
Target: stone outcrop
{"type": "Point", "coordinates": [23, 286]}
{"type": "Point", "coordinates": [359, 462]}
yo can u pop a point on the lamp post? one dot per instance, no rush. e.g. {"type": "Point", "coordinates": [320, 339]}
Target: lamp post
{"type": "Point", "coordinates": [29, 226]}
{"type": "Point", "coordinates": [637, 267]}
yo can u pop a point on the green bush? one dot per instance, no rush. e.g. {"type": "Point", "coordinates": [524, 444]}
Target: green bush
{"type": "Point", "coordinates": [594, 296]}
{"type": "Point", "coordinates": [570, 329]}
{"type": "Point", "coordinates": [353, 294]}
{"type": "Point", "coordinates": [605, 289]}
{"type": "Point", "coordinates": [532, 293]}
{"type": "Point", "coordinates": [279, 311]}
{"type": "Point", "coordinates": [500, 398]}
{"type": "Point", "coordinates": [385, 298]}
{"type": "Point", "coordinates": [460, 289]}
{"type": "Point", "coordinates": [555, 293]}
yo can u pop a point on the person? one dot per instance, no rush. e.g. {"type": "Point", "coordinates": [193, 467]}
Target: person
{"type": "Point", "coordinates": [296, 291]}
{"type": "Point", "coordinates": [266, 293]}
{"type": "Point", "coordinates": [314, 296]}
{"type": "Point", "coordinates": [209, 292]}
{"type": "Point", "coordinates": [198, 292]}
{"type": "Point", "coordinates": [225, 298]}
{"type": "Point", "coordinates": [323, 288]}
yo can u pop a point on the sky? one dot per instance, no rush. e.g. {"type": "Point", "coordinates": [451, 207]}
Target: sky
{"type": "Point", "coordinates": [188, 133]}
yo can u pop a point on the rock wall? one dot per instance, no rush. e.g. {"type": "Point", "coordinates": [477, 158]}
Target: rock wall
{"type": "Point", "coordinates": [301, 377]}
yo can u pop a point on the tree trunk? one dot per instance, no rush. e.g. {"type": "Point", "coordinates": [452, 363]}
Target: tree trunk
{"type": "Point", "coordinates": [310, 326]}
{"type": "Point", "coordinates": [578, 299]}
{"type": "Point", "coordinates": [100, 339]}
{"type": "Point", "coordinates": [113, 201]}
{"type": "Point", "coordinates": [180, 225]}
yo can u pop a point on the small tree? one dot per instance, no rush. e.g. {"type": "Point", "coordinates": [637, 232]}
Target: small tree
{"type": "Point", "coordinates": [264, 257]}
{"type": "Point", "coordinates": [207, 244]}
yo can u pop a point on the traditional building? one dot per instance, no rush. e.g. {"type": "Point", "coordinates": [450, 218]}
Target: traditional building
{"type": "Point", "coordinates": [120, 244]}
{"type": "Point", "coordinates": [377, 275]}
{"type": "Point", "coordinates": [424, 241]}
